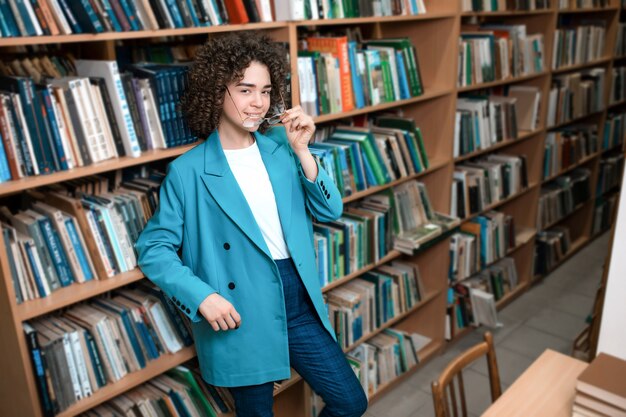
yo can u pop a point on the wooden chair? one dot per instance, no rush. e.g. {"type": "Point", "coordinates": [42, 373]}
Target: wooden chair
{"type": "Point", "coordinates": [444, 392]}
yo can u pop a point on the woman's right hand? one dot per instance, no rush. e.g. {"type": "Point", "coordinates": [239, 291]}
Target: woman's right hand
{"type": "Point", "coordinates": [219, 313]}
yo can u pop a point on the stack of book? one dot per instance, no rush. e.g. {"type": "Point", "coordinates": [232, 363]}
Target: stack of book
{"type": "Point", "coordinates": [65, 17]}
{"type": "Point", "coordinates": [358, 158]}
{"type": "Point", "coordinates": [76, 233]}
{"type": "Point", "coordinates": [578, 44]}
{"type": "Point", "coordinates": [601, 388]}
{"type": "Point", "coordinates": [568, 146]}
{"type": "Point", "coordinates": [582, 4]}
{"type": "Point", "coordinates": [551, 247]}
{"type": "Point", "coordinates": [417, 223]}
{"type": "Point", "coordinates": [483, 121]}
{"type": "Point", "coordinates": [478, 184]}
{"type": "Point", "coordinates": [324, 9]}
{"type": "Point", "coordinates": [98, 343]}
{"type": "Point", "coordinates": [618, 85]}
{"type": "Point", "coordinates": [575, 95]}
{"type": "Point", "coordinates": [613, 133]}
{"type": "Point", "coordinates": [359, 307]}
{"type": "Point", "coordinates": [55, 121]}
{"type": "Point", "coordinates": [610, 173]}
{"type": "Point", "coordinates": [503, 5]}
{"type": "Point", "coordinates": [383, 358]}
{"type": "Point", "coordinates": [181, 391]}
{"type": "Point", "coordinates": [604, 213]}
{"type": "Point", "coordinates": [338, 75]}
{"type": "Point", "coordinates": [493, 52]}
{"type": "Point", "coordinates": [481, 241]}
{"type": "Point", "coordinates": [562, 196]}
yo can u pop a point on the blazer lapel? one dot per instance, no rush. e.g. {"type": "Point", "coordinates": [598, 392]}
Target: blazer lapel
{"type": "Point", "coordinates": [221, 183]}
{"type": "Point", "coordinates": [277, 160]}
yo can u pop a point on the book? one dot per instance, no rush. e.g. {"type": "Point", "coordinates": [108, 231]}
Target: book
{"type": "Point", "coordinates": [605, 380]}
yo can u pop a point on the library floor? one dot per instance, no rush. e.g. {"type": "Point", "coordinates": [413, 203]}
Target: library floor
{"type": "Point", "coordinates": [549, 315]}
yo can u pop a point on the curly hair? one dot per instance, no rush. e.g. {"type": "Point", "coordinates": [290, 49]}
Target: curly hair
{"type": "Point", "coordinates": [221, 61]}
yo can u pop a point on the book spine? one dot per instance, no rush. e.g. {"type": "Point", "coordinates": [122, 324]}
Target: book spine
{"type": "Point", "coordinates": [56, 252]}
{"type": "Point", "coordinates": [39, 364]}
{"type": "Point", "coordinates": [54, 129]}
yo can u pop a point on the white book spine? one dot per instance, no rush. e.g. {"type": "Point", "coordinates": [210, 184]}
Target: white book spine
{"type": "Point", "coordinates": [59, 17]}
{"type": "Point", "coordinates": [65, 140]}
{"type": "Point", "coordinates": [71, 364]}
{"type": "Point", "coordinates": [22, 125]}
{"type": "Point", "coordinates": [99, 243]}
{"type": "Point", "coordinates": [33, 17]}
{"type": "Point", "coordinates": [81, 367]}
{"type": "Point", "coordinates": [109, 71]}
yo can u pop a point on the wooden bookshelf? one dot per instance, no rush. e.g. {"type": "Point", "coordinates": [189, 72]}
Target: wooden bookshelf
{"type": "Point", "coordinates": [435, 36]}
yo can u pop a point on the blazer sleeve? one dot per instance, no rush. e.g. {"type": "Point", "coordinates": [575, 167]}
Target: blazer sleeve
{"type": "Point", "coordinates": [322, 197]}
{"type": "Point", "coordinates": [158, 245]}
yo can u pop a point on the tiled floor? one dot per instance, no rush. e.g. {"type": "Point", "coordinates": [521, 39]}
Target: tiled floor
{"type": "Point", "coordinates": [549, 315]}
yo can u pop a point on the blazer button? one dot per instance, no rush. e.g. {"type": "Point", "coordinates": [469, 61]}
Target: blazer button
{"type": "Point", "coordinates": [327, 196]}
{"type": "Point", "coordinates": [182, 307]}
{"type": "Point", "coordinates": [227, 246]}
{"type": "Point", "coordinates": [188, 311]}
{"type": "Point", "coordinates": [177, 302]}
{"type": "Point", "coordinates": [174, 299]}
{"type": "Point", "coordinates": [231, 285]}
{"type": "Point", "coordinates": [322, 183]}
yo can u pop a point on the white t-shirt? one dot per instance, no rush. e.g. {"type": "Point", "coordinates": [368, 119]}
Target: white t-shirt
{"type": "Point", "coordinates": [249, 170]}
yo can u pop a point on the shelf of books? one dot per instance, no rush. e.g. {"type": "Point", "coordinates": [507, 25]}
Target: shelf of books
{"type": "Point", "coordinates": [450, 128]}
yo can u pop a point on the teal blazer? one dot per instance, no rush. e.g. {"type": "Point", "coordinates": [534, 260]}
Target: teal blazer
{"type": "Point", "coordinates": [203, 239]}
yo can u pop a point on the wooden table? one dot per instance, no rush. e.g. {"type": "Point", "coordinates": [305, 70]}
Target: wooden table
{"type": "Point", "coordinates": [546, 388]}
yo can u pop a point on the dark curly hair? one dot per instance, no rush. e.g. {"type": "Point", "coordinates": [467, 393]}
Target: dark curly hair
{"type": "Point", "coordinates": [221, 61]}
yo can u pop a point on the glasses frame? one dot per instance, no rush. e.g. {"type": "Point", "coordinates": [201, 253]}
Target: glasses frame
{"type": "Point", "coordinates": [272, 120]}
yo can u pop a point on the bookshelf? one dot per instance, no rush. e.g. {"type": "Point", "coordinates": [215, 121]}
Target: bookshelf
{"type": "Point", "coordinates": [435, 35]}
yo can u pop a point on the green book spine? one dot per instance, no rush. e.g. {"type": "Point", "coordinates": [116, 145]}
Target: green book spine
{"type": "Point", "coordinates": [420, 145]}
{"type": "Point", "coordinates": [387, 78]}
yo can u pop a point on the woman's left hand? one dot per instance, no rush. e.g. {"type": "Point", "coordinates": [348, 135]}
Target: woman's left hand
{"type": "Point", "coordinates": [299, 127]}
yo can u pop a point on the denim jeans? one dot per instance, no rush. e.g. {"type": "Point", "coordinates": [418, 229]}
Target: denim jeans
{"type": "Point", "coordinates": [313, 354]}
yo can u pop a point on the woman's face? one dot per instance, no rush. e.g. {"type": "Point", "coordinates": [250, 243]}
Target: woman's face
{"type": "Point", "coordinates": [249, 98]}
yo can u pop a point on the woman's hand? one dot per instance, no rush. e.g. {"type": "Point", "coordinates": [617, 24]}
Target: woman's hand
{"type": "Point", "coordinates": [219, 313]}
{"type": "Point", "coordinates": [300, 128]}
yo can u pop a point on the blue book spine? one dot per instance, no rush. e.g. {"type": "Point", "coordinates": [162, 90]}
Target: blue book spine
{"type": "Point", "coordinates": [5, 171]}
{"type": "Point", "coordinates": [9, 19]}
{"type": "Point", "coordinates": [28, 23]}
{"type": "Point", "coordinates": [33, 266]}
{"type": "Point", "coordinates": [132, 336]}
{"type": "Point", "coordinates": [357, 86]}
{"type": "Point", "coordinates": [39, 364]}
{"type": "Point", "coordinates": [411, 146]}
{"type": "Point", "coordinates": [54, 129]}
{"type": "Point", "coordinates": [148, 343]}
{"type": "Point", "coordinates": [117, 250]}
{"type": "Point", "coordinates": [71, 19]}
{"type": "Point", "coordinates": [4, 26]}
{"type": "Point", "coordinates": [192, 12]}
{"type": "Point", "coordinates": [96, 360]}
{"type": "Point", "coordinates": [78, 248]}
{"type": "Point", "coordinates": [177, 18]}
{"type": "Point", "coordinates": [131, 14]}
{"type": "Point", "coordinates": [402, 77]}
{"type": "Point", "coordinates": [179, 404]}
{"type": "Point", "coordinates": [86, 16]}
{"type": "Point", "coordinates": [369, 173]}
{"type": "Point", "coordinates": [36, 110]}
{"type": "Point", "coordinates": [220, 21]}
{"type": "Point", "coordinates": [56, 252]}
{"type": "Point", "coordinates": [106, 5]}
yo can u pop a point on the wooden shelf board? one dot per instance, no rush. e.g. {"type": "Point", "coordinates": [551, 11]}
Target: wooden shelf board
{"type": "Point", "coordinates": [295, 378]}
{"type": "Point", "coordinates": [572, 167]}
{"type": "Point", "coordinates": [393, 254]}
{"type": "Point", "coordinates": [14, 186]}
{"type": "Point", "coordinates": [501, 82]}
{"type": "Point", "coordinates": [435, 165]}
{"type": "Point", "coordinates": [111, 36]}
{"type": "Point", "coordinates": [612, 148]}
{"type": "Point", "coordinates": [500, 203]}
{"type": "Point", "coordinates": [430, 296]}
{"type": "Point", "coordinates": [505, 13]}
{"type": "Point", "coordinates": [516, 292]}
{"type": "Point", "coordinates": [554, 223]}
{"type": "Point", "coordinates": [154, 368]}
{"type": "Point", "coordinates": [617, 103]}
{"type": "Point", "coordinates": [75, 293]}
{"type": "Point", "coordinates": [589, 10]}
{"type": "Point", "coordinates": [523, 135]}
{"type": "Point", "coordinates": [383, 106]}
{"type": "Point", "coordinates": [581, 66]}
{"type": "Point", "coordinates": [575, 120]}
{"type": "Point", "coordinates": [375, 19]}
{"type": "Point", "coordinates": [611, 190]}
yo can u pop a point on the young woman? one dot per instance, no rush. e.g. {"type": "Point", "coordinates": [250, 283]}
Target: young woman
{"type": "Point", "coordinates": [232, 242]}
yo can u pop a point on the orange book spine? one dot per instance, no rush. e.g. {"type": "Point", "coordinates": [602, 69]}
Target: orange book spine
{"type": "Point", "coordinates": [338, 47]}
{"type": "Point", "coordinates": [236, 11]}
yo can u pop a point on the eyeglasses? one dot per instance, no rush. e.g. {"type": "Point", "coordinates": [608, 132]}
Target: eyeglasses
{"type": "Point", "coordinates": [278, 110]}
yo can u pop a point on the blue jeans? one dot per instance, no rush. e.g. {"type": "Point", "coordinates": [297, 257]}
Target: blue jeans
{"type": "Point", "coordinates": [313, 354]}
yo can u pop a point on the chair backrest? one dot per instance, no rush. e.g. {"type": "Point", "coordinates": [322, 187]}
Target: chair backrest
{"type": "Point", "coordinates": [447, 397]}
